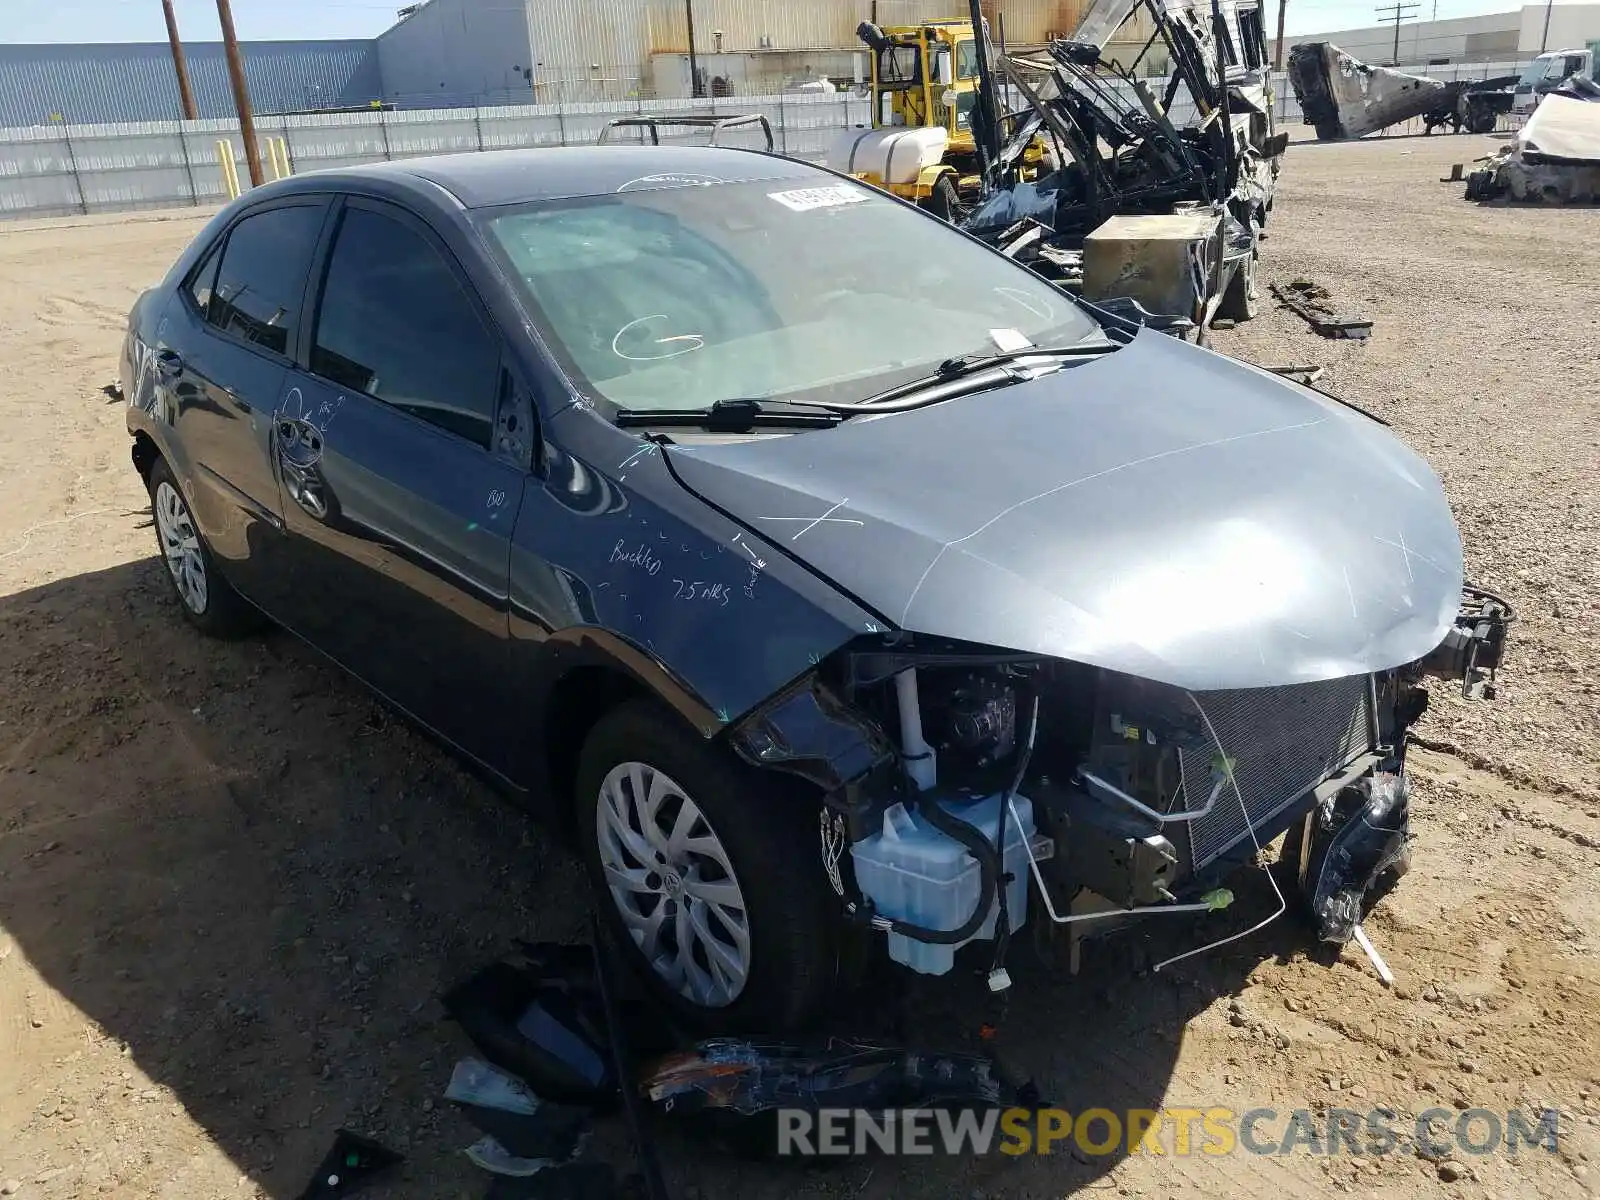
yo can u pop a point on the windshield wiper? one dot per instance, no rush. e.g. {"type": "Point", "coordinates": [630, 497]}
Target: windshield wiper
{"type": "Point", "coordinates": [739, 415]}
{"type": "Point", "coordinates": [954, 374]}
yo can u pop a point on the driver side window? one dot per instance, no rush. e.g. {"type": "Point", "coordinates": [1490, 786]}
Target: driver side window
{"type": "Point", "coordinates": [395, 323]}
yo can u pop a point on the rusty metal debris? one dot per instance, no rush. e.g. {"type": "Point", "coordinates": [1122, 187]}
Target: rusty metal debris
{"type": "Point", "coordinates": [1311, 301]}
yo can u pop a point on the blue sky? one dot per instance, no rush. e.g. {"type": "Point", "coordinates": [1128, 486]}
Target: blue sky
{"type": "Point", "coordinates": [140, 20]}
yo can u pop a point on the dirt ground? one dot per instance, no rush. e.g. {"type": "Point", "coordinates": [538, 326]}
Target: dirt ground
{"type": "Point", "coordinates": [232, 888]}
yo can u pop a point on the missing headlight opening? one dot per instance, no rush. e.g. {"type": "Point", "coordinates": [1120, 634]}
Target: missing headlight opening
{"type": "Point", "coordinates": [970, 790]}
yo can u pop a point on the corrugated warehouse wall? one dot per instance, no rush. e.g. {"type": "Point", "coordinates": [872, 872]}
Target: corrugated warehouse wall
{"type": "Point", "coordinates": [87, 83]}
{"type": "Point", "coordinates": [589, 50]}
{"type": "Point", "coordinates": [831, 24]}
{"type": "Point", "coordinates": [458, 52]}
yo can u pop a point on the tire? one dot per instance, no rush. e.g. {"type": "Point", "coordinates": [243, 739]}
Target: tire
{"type": "Point", "coordinates": [752, 836]}
{"type": "Point", "coordinates": [206, 599]}
{"type": "Point", "coordinates": [944, 203]}
{"type": "Point", "coordinates": [1239, 301]}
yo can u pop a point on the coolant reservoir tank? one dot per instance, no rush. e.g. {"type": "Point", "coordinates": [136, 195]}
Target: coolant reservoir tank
{"type": "Point", "coordinates": [912, 872]}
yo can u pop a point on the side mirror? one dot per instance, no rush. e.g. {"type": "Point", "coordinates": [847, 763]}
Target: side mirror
{"type": "Point", "coordinates": [1275, 145]}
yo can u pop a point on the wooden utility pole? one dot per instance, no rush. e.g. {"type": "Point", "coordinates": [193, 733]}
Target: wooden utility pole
{"type": "Point", "coordinates": [1277, 54]}
{"type": "Point", "coordinates": [185, 93]}
{"type": "Point", "coordinates": [694, 65]}
{"type": "Point", "coordinates": [241, 93]}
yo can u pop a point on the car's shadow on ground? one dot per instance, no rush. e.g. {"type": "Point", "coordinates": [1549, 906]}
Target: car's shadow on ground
{"type": "Point", "coordinates": [254, 882]}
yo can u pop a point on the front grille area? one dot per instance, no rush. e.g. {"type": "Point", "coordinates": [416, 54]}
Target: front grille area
{"type": "Point", "coordinates": [1284, 741]}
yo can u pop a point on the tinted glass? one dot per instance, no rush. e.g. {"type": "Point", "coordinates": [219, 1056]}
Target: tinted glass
{"type": "Point", "coordinates": [203, 280]}
{"type": "Point", "coordinates": [263, 276]}
{"type": "Point", "coordinates": [396, 324]}
{"type": "Point", "coordinates": [805, 289]}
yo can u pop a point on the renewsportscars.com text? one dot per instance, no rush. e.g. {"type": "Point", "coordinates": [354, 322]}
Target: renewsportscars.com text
{"type": "Point", "coordinates": [1179, 1132]}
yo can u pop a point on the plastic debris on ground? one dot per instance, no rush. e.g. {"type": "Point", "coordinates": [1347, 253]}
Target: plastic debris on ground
{"type": "Point", "coordinates": [488, 1153]}
{"type": "Point", "coordinates": [549, 1028]}
{"type": "Point", "coordinates": [349, 1166]}
{"type": "Point", "coordinates": [523, 1124]}
{"type": "Point", "coordinates": [735, 1087]}
{"type": "Point", "coordinates": [547, 1031]}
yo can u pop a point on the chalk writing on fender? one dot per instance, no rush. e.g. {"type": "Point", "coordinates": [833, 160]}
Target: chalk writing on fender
{"type": "Point", "coordinates": [696, 589]}
{"type": "Point", "coordinates": [640, 556]}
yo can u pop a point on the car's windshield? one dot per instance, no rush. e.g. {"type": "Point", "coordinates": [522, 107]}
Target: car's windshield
{"type": "Point", "coordinates": [810, 289]}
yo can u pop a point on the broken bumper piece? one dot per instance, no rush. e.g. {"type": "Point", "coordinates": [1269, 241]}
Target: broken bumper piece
{"type": "Point", "coordinates": [1349, 845]}
{"type": "Point", "coordinates": [1472, 650]}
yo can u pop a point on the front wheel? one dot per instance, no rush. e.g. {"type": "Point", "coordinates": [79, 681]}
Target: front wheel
{"type": "Point", "coordinates": [944, 202]}
{"type": "Point", "coordinates": [708, 872]}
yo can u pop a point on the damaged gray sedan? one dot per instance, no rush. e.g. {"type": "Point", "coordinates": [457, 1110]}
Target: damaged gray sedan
{"type": "Point", "coordinates": [817, 616]}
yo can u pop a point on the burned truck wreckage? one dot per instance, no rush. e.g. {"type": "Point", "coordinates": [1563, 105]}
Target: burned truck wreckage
{"type": "Point", "coordinates": [1153, 203]}
{"type": "Point", "coordinates": [1345, 98]}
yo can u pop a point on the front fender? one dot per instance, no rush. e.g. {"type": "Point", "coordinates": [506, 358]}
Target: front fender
{"type": "Point", "coordinates": [613, 554]}
{"type": "Point", "coordinates": [928, 178]}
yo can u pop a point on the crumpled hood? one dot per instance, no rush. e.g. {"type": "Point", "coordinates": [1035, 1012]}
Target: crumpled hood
{"type": "Point", "coordinates": [1161, 511]}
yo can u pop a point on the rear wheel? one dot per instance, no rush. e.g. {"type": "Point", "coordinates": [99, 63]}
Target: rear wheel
{"type": "Point", "coordinates": [208, 602]}
{"type": "Point", "coordinates": [708, 874]}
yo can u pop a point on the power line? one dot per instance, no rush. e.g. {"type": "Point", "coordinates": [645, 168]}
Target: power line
{"type": "Point", "coordinates": [1396, 14]}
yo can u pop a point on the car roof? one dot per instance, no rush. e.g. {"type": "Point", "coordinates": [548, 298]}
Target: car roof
{"type": "Point", "coordinates": [489, 178]}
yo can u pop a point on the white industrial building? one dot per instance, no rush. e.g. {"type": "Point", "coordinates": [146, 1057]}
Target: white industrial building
{"type": "Point", "coordinates": [1518, 35]}
{"type": "Point", "coordinates": [453, 52]}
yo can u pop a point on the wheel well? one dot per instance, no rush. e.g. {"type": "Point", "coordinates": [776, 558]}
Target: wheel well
{"type": "Point", "coordinates": [577, 704]}
{"type": "Point", "coordinates": [145, 454]}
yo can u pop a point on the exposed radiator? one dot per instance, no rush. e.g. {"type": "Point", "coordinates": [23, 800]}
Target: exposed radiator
{"type": "Point", "coordinates": [1284, 741]}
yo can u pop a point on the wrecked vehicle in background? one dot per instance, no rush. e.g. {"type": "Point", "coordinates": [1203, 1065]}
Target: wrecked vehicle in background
{"type": "Point", "coordinates": [1345, 98]}
{"type": "Point", "coordinates": [1554, 158]}
{"type": "Point", "coordinates": [1145, 201]}
{"type": "Point", "coordinates": [1553, 71]}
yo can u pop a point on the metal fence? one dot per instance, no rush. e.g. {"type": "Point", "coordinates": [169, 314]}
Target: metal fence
{"type": "Point", "coordinates": [57, 169]}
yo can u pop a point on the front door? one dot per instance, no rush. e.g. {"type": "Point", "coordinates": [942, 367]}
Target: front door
{"type": "Point", "coordinates": [398, 511]}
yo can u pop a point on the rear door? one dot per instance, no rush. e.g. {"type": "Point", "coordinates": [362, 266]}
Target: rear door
{"type": "Point", "coordinates": [399, 511]}
{"type": "Point", "coordinates": [230, 340]}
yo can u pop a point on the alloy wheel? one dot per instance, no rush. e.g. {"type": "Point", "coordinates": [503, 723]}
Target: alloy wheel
{"type": "Point", "coordinates": [673, 884]}
{"type": "Point", "coordinates": [180, 543]}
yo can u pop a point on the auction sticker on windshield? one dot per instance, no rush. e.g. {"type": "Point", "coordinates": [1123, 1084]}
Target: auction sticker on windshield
{"type": "Point", "coordinates": [805, 199]}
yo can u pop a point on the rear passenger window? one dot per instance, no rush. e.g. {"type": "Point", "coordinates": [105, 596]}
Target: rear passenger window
{"type": "Point", "coordinates": [394, 322]}
{"type": "Point", "coordinates": [203, 280]}
{"type": "Point", "coordinates": [263, 276]}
